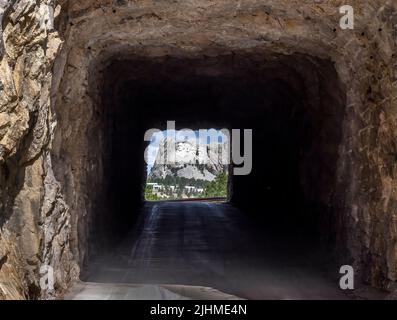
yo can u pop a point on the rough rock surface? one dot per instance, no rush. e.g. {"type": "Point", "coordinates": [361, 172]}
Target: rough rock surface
{"type": "Point", "coordinates": [51, 57]}
{"type": "Point", "coordinates": [34, 219]}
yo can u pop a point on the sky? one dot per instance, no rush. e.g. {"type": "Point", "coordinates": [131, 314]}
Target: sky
{"type": "Point", "coordinates": [181, 135]}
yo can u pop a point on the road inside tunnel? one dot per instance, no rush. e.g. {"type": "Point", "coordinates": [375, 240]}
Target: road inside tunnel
{"type": "Point", "coordinates": [267, 241]}
{"type": "Point", "coordinates": [214, 245]}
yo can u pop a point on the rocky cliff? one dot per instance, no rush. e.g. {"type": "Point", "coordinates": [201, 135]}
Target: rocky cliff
{"type": "Point", "coordinates": [34, 219]}
{"type": "Point", "coordinates": [190, 160]}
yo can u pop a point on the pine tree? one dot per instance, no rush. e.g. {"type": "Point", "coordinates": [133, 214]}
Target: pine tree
{"type": "Point", "coordinates": [217, 188]}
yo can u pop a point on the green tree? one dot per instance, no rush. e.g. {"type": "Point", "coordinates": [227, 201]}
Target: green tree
{"type": "Point", "coordinates": [149, 195]}
{"type": "Point", "coordinates": [217, 188]}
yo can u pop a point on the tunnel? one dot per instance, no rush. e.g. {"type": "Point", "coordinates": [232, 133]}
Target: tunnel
{"type": "Point", "coordinates": [82, 81]}
{"type": "Point", "coordinates": [295, 107]}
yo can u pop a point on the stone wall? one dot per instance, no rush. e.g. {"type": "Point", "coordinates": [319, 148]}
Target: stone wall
{"type": "Point", "coordinates": [34, 219]}
{"type": "Point", "coordinates": [51, 57]}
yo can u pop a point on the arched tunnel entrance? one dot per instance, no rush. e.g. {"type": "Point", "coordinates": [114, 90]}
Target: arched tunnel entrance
{"type": "Point", "coordinates": [295, 107]}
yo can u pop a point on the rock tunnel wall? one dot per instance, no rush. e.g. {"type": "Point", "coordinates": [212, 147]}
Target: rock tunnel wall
{"type": "Point", "coordinates": [52, 57]}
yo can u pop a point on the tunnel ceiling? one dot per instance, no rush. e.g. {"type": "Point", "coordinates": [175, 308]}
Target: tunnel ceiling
{"type": "Point", "coordinates": [54, 56]}
{"type": "Point", "coordinates": [182, 88]}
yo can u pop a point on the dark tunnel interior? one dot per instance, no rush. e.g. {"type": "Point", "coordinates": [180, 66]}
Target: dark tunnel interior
{"type": "Point", "coordinates": [294, 104]}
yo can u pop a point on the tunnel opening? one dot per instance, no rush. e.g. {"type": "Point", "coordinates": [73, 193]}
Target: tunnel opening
{"type": "Point", "coordinates": [294, 105]}
{"type": "Point", "coordinates": [186, 165]}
